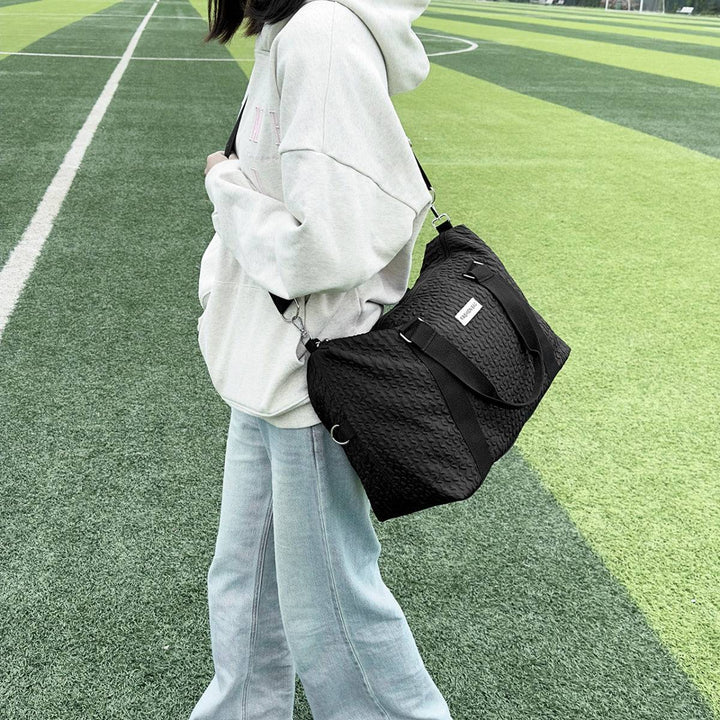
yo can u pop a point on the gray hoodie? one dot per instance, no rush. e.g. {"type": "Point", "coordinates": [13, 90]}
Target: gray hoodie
{"type": "Point", "coordinates": [323, 204]}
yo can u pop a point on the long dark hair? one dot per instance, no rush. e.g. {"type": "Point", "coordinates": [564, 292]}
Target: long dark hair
{"type": "Point", "coordinates": [226, 16]}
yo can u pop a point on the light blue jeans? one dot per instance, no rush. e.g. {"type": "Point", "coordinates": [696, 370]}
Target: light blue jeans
{"type": "Point", "coordinates": [294, 587]}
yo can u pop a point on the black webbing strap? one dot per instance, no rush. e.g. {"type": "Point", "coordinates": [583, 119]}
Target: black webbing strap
{"type": "Point", "coordinates": [281, 303]}
{"type": "Point", "coordinates": [230, 146]}
{"type": "Point", "coordinates": [462, 413]}
{"type": "Point", "coordinates": [517, 309]}
{"type": "Point", "coordinates": [444, 352]}
{"type": "Point", "coordinates": [422, 336]}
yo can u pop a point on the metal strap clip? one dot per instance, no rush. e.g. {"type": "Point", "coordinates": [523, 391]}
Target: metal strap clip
{"type": "Point", "coordinates": [297, 321]}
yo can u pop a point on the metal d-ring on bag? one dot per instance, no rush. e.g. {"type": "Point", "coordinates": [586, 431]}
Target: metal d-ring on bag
{"type": "Point", "coordinates": [439, 389]}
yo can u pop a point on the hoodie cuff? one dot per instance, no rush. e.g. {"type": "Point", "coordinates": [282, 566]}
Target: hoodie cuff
{"type": "Point", "coordinates": [220, 169]}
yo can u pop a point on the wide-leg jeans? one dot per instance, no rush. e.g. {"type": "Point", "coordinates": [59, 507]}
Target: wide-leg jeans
{"type": "Point", "coordinates": [294, 588]}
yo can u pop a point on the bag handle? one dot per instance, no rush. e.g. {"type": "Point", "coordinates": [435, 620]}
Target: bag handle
{"type": "Point", "coordinates": [424, 338]}
{"type": "Point", "coordinates": [421, 336]}
{"type": "Point", "coordinates": [281, 303]}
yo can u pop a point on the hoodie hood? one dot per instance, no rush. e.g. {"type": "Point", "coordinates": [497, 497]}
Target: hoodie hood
{"type": "Point", "coordinates": [390, 23]}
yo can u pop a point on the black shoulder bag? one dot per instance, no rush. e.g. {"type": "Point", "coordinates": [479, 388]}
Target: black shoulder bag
{"type": "Point", "coordinates": [438, 390]}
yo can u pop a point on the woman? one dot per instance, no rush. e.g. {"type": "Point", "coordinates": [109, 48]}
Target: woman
{"type": "Point", "coordinates": [321, 203]}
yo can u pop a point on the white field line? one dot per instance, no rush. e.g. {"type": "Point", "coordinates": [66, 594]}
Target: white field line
{"type": "Point", "coordinates": [22, 260]}
{"type": "Point", "coordinates": [115, 57]}
{"type": "Point", "coordinates": [107, 15]}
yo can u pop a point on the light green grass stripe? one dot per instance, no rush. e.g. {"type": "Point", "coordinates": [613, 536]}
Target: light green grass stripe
{"type": "Point", "coordinates": [613, 236]}
{"type": "Point", "coordinates": [690, 25]}
{"type": "Point", "coordinates": [599, 26]}
{"type": "Point", "coordinates": [21, 25]}
{"type": "Point", "coordinates": [670, 20]}
{"type": "Point", "coordinates": [239, 47]}
{"type": "Point", "coordinates": [646, 43]}
{"type": "Point", "coordinates": [694, 69]}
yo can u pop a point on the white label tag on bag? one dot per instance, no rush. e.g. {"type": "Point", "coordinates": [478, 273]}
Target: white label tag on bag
{"type": "Point", "coordinates": [469, 311]}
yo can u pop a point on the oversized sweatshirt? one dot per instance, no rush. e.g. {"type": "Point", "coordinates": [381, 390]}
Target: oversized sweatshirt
{"type": "Point", "coordinates": [323, 204]}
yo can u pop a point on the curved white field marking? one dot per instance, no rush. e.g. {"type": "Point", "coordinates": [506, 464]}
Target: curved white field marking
{"type": "Point", "coordinates": [471, 45]}
{"type": "Point", "coordinates": [22, 259]}
{"type": "Point", "coordinates": [117, 57]}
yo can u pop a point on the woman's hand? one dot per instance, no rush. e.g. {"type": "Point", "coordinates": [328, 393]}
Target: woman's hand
{"type": "Point", "coordinates": [217, 157]}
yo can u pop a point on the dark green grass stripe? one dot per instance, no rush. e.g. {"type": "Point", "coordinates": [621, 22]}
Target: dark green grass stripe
{"type": "Point", "coordinates": [536, 625]}
{"type": "Point", "coordinates": [5, 3]}
{"type": "Point", "coordinates": [676, 110]}
{"type": "Point", "coordinates": [45, 101]}
{"type": "Point", "coordinates": [645, 43]}
{"type": "Point", "coordinates": [560, 14]}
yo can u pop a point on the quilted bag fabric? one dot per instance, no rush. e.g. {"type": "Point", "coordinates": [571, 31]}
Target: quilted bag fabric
{"type": "Point", "coordinates": [425, 402]}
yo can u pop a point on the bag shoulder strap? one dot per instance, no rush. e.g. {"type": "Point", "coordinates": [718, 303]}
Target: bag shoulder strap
{"type": "Point", "coordinates": [230, 146]}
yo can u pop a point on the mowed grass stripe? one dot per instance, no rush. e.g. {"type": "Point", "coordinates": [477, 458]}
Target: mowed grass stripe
{"type": "Point", "coordinates": [604, 227]}
{"type": "Point", "coordinates": [111, 521]}
{"type": "Point", "coordinates": [663, 24]}
{"type": "Point", "coordinates": [599, 26]}
{"type": "Point", "coordinates": [105, 552]}
{"type": "Point", "coordinates": [20, 25]}
{"type": "Point", "coordinates": [113, 442]}
{"type": "Point", "coordinates": [647, 43]}
{"type": "Point", "coordinates": [5, 3]}
{"type": "Point", "coordinates": [42, 85]}
{"type": "Point", "coordinates": [693, 69]}
{"type": "Point", "coordinates": [681, 112]}
{"type": "Point", "coordinates": [39, 123]}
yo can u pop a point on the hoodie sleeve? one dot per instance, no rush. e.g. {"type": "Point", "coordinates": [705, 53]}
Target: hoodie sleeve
{"type": "Point", "coordinates": [352, 192]}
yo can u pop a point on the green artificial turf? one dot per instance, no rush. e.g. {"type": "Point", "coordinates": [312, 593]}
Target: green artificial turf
{"type": "Point", "coordinates": [676, 110]}
{"type": "Point", "coordinates": [668, 22]}
{"type": "Point", "coordinates": [693, 69]}
{"type": "Point", "coordinates": [24, 23]}
{"type": "Point", "coordinates": [5, 3]}
{"type": "Point", "coordinates": [578, 17]}
{"type": "Point", "coordinates": [579, 582]}
{"type": "Point", "coordinates": [696, 49]}
{"type": "Point", "coordinates": [33, 151]}
{"type": "Point", "coordinates": [611, 234]}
